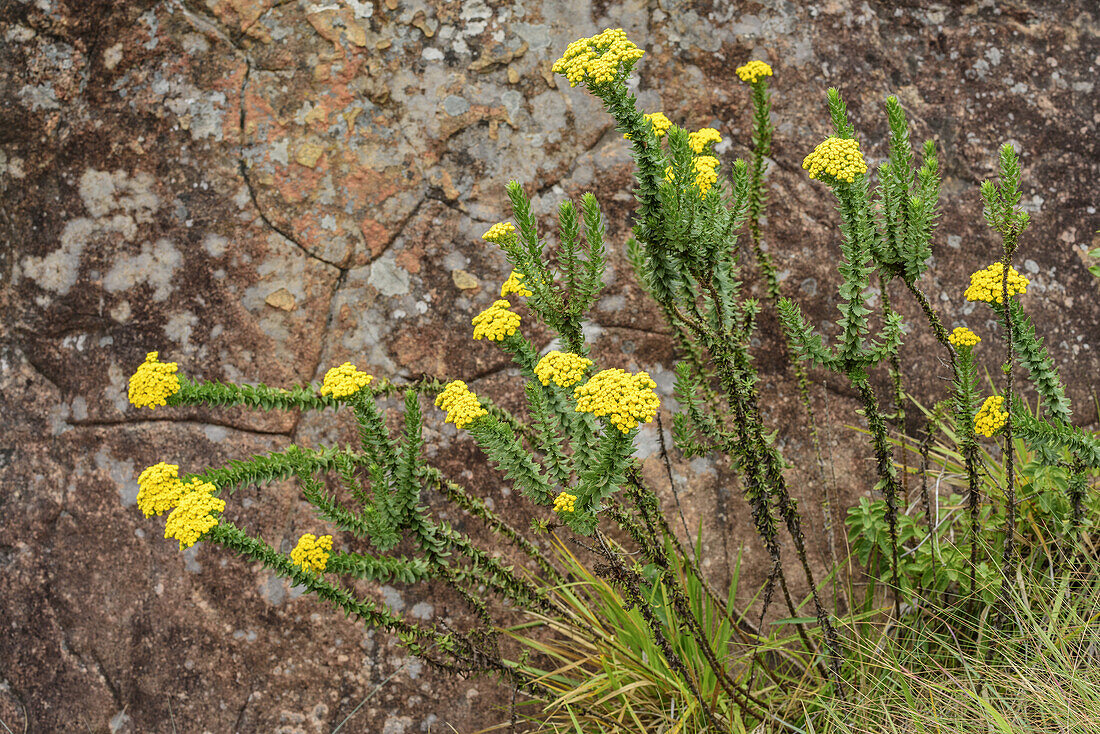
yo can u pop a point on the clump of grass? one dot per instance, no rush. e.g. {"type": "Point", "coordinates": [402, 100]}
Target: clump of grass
{"type": "Point", "coordinates": [600, 659]}
{"type": "Point", "coordinates": [921, 677]}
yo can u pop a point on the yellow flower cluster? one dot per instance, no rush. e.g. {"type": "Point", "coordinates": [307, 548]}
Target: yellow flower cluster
{"type": "Point", "coordinates": [565, 502]}
{"type": "Point", "coordinates": [963, 337]}
{"type": "Point", "coordinates": [985, 285]}
{"type": "Point", "coordinates": [462, 406]}
{"type": "Point", "coordinates": [514, 284]}
{"type": "Point", "coordinates": [312, 552]}
{"type": "Point", "coordinates": [625, 399]}
{"type": "Point", "coordinates": [564, 368]}
{"type": "Point", "coordinates": [159, 489]}
{"type": "Point", "coordinates": [345, 380]}
{"type": "Point", "coordinates": [496, 322]}
{"type": "Point", "coordinates": [153, 383]}
{"type": "Point", "coordinates": [837, 157]}
{"type": "Point", "coordinates": [701, 139]}
{"type": "Point", "coordinates": [599, 59]}
{"type": "Point", "coordinates": [753, 71]}
{"type": "Point", "coordinates": [500, 233]}
{"type": "Point", "coordinates": [706, 173]}
{"type": "Point", "coordinates": [194, 515]}
{"type": "Point", "coordinates": [660, 123]}
{"type": "Point", "coordinates": [990, 417]}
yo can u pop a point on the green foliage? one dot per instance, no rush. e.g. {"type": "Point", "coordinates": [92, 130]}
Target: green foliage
{"type": "Point", "coordinates": [560, 298]}
{"type": "Point", "coordinates": [907, 201]}
{"type": "Point", "coordinates": [1094, 257]}
{"type": "Point", "coordinates": [1034, 357]}
{"type": "Point", "coordinates": [1002, 200]}
{"type": "Point", "coordinates": [510, 458]}
{"type": "Point", "coordinates": [260, 396]}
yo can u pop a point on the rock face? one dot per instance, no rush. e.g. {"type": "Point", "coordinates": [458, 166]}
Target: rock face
{"type": "Point", "coordinates": [262, 190]}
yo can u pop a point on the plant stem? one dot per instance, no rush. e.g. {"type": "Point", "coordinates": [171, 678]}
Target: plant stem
{"type": "Point", "coordinates": [1008, 559]}
{"type": "Point", "coordinates": [886, 472]}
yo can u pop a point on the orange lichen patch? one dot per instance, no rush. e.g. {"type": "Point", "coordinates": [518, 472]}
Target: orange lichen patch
{"type": "Point", "coordinates": [257, 110]}
{"type": "Point", "coordinates": [410, 258]}
{"type": "Point", "coordinates": [366, 188]}
{"type": "Point", "coordinates": [313, 236]}
{"type": "Point", "coordinates": [375, 235]}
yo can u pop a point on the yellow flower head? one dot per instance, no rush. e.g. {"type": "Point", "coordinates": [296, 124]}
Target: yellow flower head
{"type": "Point", "coordinates": [194, 515]}
{"type": "Point", "coordinates": [312, 552]}
{"type": "Point", "coordinates": [706, 173]}
{"type": "Point", "coordinates": [345, 380]}
{"type": "Point", "coordinates": [660, 124]}
{"type": "Point", "coordinates": [496, 322]}
{"type": "Point", "coordinates": [625, 399]}
{"type": "Point", "coordinates": [462, 406]}
{"type": "Point", "coordinates": [564, 368]}
{"type": "Point", "coordinates": [963, 337]}
{"type": "Point", "coordinates": [990, 417]}
{"type": "Point", "coordinates": [599, 59]}
{"type": "Point", "coordinates": [514, 284]}
{"type": "Point", "coordinates": [500, 233]}
{"type": "Point", "coordinates": [700, 140]}
{"type": "Point", "coordinates": [753, 71]}
{"type": "Point", "coordinates": [985, 285]}
{"type": "Point", "coordinates": [153, 383]}
{"type": "Point", "coordinates": [159, 489]}
{"type": "Point", "coordinates": [838, 158]}
{"type": "Point", "coordinates": [565, 502]}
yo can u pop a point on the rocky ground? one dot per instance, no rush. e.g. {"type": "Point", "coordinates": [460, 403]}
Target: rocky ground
{"type": "Point", "coordinates": [262, 190]}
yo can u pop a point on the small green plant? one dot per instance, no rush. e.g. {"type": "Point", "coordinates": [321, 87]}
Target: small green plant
{"type": "Point", "coordinates": [619, 629]}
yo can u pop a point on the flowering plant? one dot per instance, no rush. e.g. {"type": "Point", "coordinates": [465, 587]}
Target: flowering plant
{"type": "Point", "coordinates": [570, 451]}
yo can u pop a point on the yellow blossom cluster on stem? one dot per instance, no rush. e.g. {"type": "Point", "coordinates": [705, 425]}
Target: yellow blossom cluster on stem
{"type": "Point", "coordinates": [660, 124]}
{"type": "Point", "coordinates": [312, 552]}
{"type": "Point", "coordinates": [701, 139]}
{"type": "Point", "coordinates": [564, 368]}
{"type": "Point", "coordinates": [706, 173]}
{"type": "Point", "coordinates": [159, 489]}
{"type": "Point", "coordinates": [496, 322]}
{"type": "Point", "coordinates": [625, 399]}
{"type": "Point", "coordinates": [462, 406]}
{"type": "Point", "coordinates": [194, 515]}
{"type": "Point", "coordinates": [963, 337]}
{"type": "Point", "coordinates": [500, 233]}
{"type": "Point", "coordinates": [753, 71]}
{"type": "Point", "coordinates": [344, 381]}
{"type": "Point", "coordinates": [599, 59]}
{"type": "Point", "coordinates": [990, 417]}
{"type": "Point", "coordinates": [565, 502]}
{"type": "Point", "coordinates": [985, 285]}
{"type": "Point", "coordinates": [838, 158]}
{"type": "Point", "coordinates": [153, 382]}
{"type": "Point", "coordinates": [514, 284]}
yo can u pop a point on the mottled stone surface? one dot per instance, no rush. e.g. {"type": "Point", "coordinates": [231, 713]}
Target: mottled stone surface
{"type": "Point", "coordinates": [263, 189]}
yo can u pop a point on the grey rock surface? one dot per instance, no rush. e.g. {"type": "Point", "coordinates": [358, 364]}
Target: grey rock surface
{"type": "Point", "coordinates": [261, 190]}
